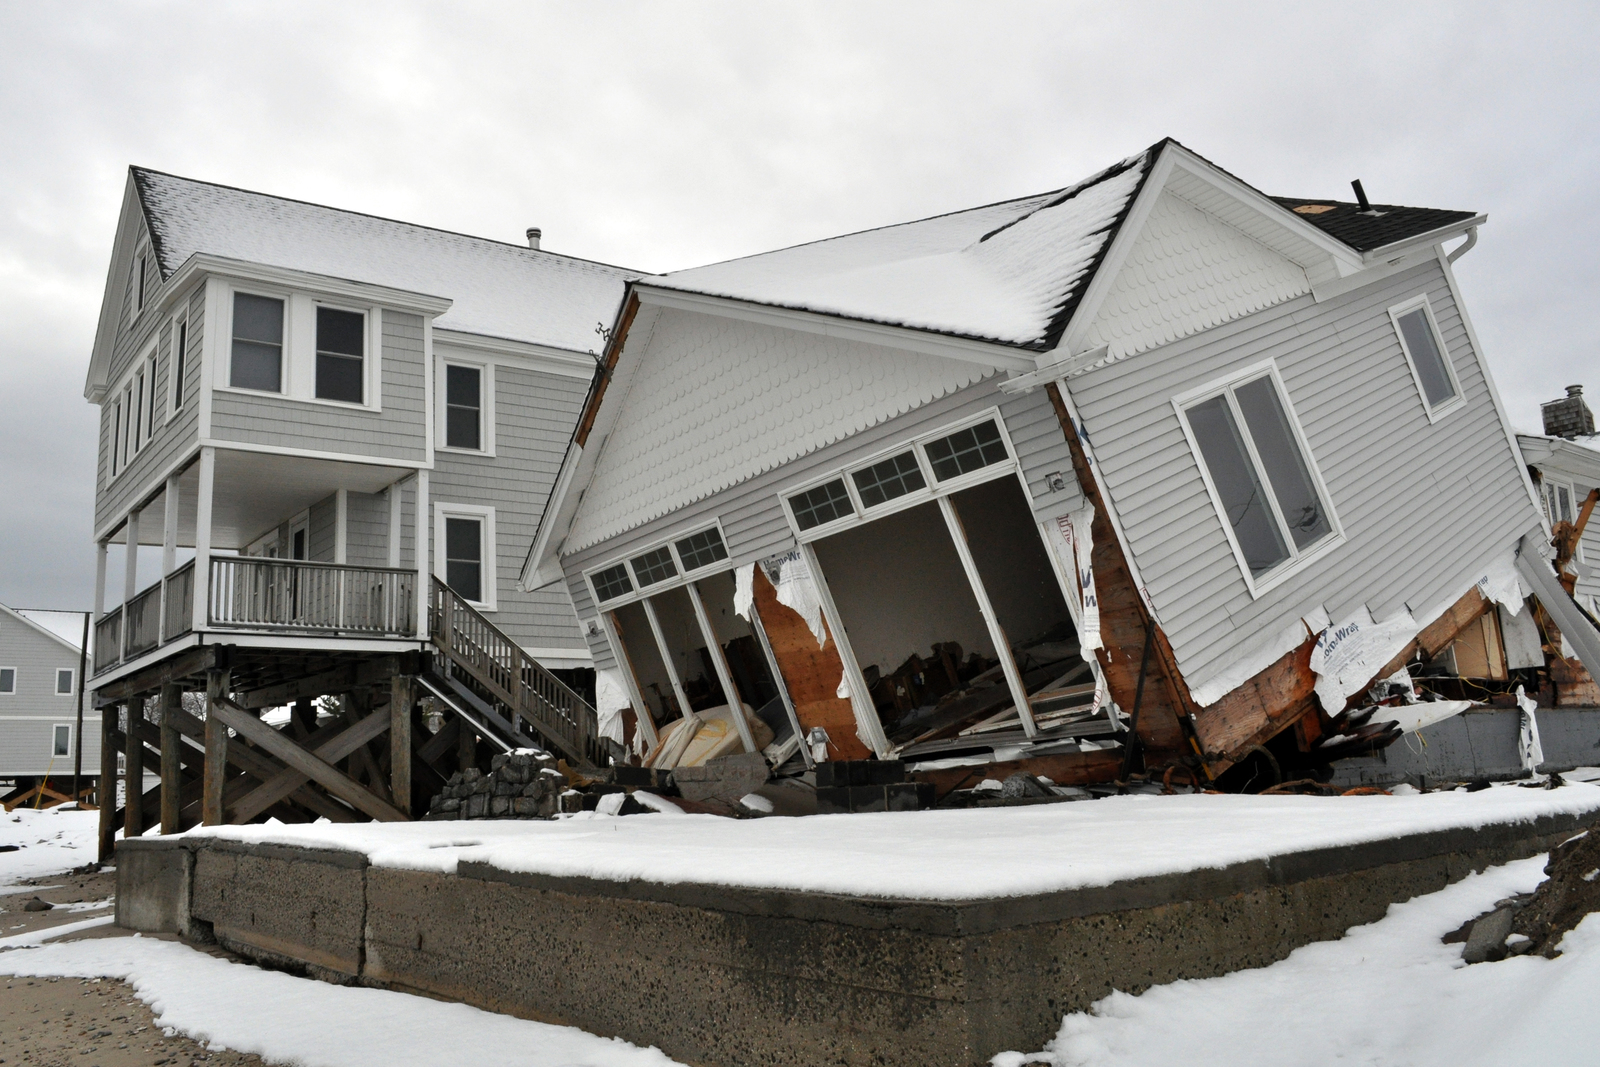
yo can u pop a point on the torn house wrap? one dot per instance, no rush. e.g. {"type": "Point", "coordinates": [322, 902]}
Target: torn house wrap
{"type": "Point", "coordinates": [610, 697]}
{"type": "Point", "coordinates": [1346, 657]}
{"type": "Point", "coordinates": [797, 591]}
{"type": "Point", "coordinates": [1075, 547]}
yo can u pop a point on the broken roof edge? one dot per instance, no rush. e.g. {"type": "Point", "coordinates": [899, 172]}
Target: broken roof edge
{"type": "Point", "coordinates": [135, 172]}
{"type": "Point", "coordinates": [1581, 454]}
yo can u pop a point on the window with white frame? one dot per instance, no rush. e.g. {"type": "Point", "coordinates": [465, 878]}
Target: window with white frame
{"type": "Point", "coordinates": [889, 479]}
{"type": "Point", "coordinates": [150, 406]}
{"type": "Point", "coordinates": [464, 406]}
{"type": "Point", "coordinates": [1258, 471]}
{"type": "Point", "coordinates": [1559, 502]}
{"type": "Point", "coordinates": [8, 681]}
{"type": "Point", "coordinates": [61, 740]}
{"type": "Point", "coordinates": [180, 358]}
{"type": "Point", "coordinates": [466, 552]}
{"type": "Point", "coordinates": [64, 680]}
{"type": "Point", "coordinates": [966, 450]}
{"type": "Point", "coordinates": [116, 436]}
{"type": "Point", "coordinates": [341, 352]}
{"type": "Point", "coordinates": [1425, 352]}
{"type": "Point", "coordinates": [257, 354]}
{"type": "Point", "coordinates": [140, 267]}
{"type": "Point", "coordinates": [678, 558]}
{"type": "Point", "coordinates": [821, 504]}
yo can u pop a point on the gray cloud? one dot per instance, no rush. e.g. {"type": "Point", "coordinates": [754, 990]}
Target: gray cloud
{"type": "Point", "coordinates": [667, 135]}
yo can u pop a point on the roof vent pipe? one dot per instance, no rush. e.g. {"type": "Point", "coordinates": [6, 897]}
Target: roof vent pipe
{"type": "Point", "coordinates": [534, 233]}
{"type": "Point", "coordinates": [1361, 195]}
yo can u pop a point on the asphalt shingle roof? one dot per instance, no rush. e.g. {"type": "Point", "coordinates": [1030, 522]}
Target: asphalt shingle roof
{"type": "Point", "coordinates": [1383, 225]}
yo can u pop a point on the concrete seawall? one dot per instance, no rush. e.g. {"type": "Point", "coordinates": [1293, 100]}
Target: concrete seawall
{"type": "Point", "coordinates": [733, 977]}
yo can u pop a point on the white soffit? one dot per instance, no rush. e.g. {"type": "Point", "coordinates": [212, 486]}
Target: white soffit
{"type": "Point", "coordinates": [715, 401]}
{"type": "Point", "coordinates": [1187, 272]}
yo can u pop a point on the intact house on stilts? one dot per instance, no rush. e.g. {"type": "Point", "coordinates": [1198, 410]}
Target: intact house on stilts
{"type": "Point", "coordinates": [1152, 474]}
{"type": "Point", "coordinates": [340, 431]}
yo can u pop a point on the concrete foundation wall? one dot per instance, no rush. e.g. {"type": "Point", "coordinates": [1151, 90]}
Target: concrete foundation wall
{"type": "Point", "coordinates": [735, 977]}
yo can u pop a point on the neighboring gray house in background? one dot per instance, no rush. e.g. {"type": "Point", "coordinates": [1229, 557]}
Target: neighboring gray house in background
{"type": "Point", "coordinates": [39, 696]}
{"type": "Point", "coordinates": [280, 380]}
{"type": "Point", "coordinates": [1566, 458]}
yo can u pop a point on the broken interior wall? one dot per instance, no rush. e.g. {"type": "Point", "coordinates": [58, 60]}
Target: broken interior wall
{"type": "Point", "coordinates": [1392, 488]}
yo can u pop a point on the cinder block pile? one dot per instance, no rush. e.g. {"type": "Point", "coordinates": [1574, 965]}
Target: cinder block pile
{"type": "Point", "coordinates": [519, 785]}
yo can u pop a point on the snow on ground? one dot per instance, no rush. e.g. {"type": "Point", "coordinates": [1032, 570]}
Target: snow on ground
{"type": "Point", "coordinates": [941, 855]}
{"type": "Point", "coordinates": [51, 841]}
{"type": "Point", "coordinates": [1389, 994]}
{"type": "Point", "coordinates": [285, 1019]}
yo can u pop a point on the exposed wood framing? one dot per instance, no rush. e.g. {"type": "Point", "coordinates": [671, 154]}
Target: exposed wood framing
{"type": "Point", "coordinates": [613, 352]}
{"type": "Point", "coordinates": [810, 673]}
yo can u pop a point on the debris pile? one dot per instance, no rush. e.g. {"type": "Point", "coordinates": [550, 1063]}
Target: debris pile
{"type": "Point", "coordinates": [520, 785]}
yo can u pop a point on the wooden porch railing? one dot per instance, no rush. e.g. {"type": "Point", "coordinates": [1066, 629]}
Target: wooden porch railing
{"type": "Point", "coordinates": [177, 603]}
{"type": "Point", "coordinates": [141, 621]}
{"type": "Point", "coordinates": [277, 594]}
{"type": "Point", "coordinates": [510, 677]}
{"type": "Point", "coordinates": [108, 640]}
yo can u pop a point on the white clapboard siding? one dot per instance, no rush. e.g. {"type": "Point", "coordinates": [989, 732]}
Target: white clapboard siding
{"type": "Point", "coordinates": [28, 717]}
{"type": "Point", "coordinates": [1424, 506]}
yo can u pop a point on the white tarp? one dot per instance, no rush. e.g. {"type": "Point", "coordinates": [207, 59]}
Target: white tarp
{"type": "Point", "coordinates": [744, 592]}
{"type": "Point", "coordinates": [1075, 543]}
{"type": "Point", "coordinates": [1347, 656]}
{"type": "Point", "coordinates": [1528, 746]}
{"type": "Point", "coordinates": [797, 590]}
{"type": "Point", "coordinates": [610, 697]}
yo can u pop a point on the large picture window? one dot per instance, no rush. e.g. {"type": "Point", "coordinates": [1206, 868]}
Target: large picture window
{"type": "Point", "coordinates": [257, 361]}
{"type": "Point", "coordinates": [341, 345]}
{"type": "Point", "coordinates": [1258, 472]}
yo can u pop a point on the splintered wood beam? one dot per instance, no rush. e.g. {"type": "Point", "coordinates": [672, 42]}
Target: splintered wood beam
{"type": "Point", "coordinates": [286, 781]}
{"type": "Point", "coordinates": [330, 778]}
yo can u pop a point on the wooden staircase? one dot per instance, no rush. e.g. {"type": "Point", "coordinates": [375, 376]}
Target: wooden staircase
{"type": "Point", "coordinates": [511, 689]}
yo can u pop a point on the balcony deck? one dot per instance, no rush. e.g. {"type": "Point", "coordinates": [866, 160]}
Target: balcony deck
{"type": "Point", "coordinates": [247, 595]}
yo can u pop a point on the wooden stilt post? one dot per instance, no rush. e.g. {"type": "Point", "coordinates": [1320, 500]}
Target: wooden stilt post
{"type": "Point", "coordinates": [305, 714]}
{"type": "Point", "coordinates": [133, 773]}
{"type": "Point", "coordinates": [216, 766]}
{"type": "Point", "coordinates": [402, 697]}
{"type": "Point", "coordinates": [466, 746]}
{"type": "Point", "coordinates": [171, 768]}
{"type": "Point", "coordinates": [106, 787]}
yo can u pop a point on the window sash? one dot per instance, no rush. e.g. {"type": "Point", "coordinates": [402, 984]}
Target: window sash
{"type": "Point", "coordinates": [463, 407]}
{"type": "Point", "coordinates": [150, 376]}
{"type": "Point", "coordinates": [1427, 356]}
{"type": "Point", "coordinates": [821, 504]}
{"type": "Point", "coordinates": [64, 674]}
{"type": "Point", "coordinates": [257, 353]}
{"type": "Point", "coordinates": [8, 680]}
{"type": "Point", "coordinates": [61, 740]}
{"type": "Point", "coordinates": [463, 549]}
{"type": "Point", "coordinates": [341, 350]}
{"type": "Point", "coordinates": [180, 355]}
{"type": "Point", "coordinates": [968, 449]}
{"type": "Point", "coordinates": [654, 567]}
{"type": "Point", "coordinates": [611, 582]}
{"type": "Point", "coordinates": [701, 549]}
{"type": "Point", "coordinates": [889, 479]}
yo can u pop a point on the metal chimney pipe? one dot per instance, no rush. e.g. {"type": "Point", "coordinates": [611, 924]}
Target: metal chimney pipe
{"type": "Point", "coordinates": [1361, 195]}
{"type": "Point", "coordinates": [534, 233]}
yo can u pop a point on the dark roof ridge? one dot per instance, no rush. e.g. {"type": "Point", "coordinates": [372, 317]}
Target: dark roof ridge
{"type": "Point", "coordinates": [137, 171]}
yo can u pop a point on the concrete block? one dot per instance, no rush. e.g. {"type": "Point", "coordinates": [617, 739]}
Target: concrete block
{"type": "Point", "coordinates": [155, 878]}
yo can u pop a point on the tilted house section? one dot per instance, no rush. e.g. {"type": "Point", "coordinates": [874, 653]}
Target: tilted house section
{"type": "Point", "coordinates": [1227, 425]}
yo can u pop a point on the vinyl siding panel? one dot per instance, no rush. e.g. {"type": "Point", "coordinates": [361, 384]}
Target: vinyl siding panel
{"type": "Point", "coordinates": [396, 432]}
{"type": "Point", "coordinates": [28, 717]}
{"type": "Point", "coordinates": [367, 530]}
{"type": "Point", "coordinates": [1425, 507]}
{"type": "Point", "coordinates": [534, 414]}
{"type": "Point", "coordinates": [752, 514]}
{"type": "Point", "coordinates": [177, 432]}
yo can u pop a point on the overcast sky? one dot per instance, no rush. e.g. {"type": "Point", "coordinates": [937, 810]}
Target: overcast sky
{"type": "Point", "coordinates": [661, 136]}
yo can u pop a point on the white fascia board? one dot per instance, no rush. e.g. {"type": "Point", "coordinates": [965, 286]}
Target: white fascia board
{"type": "Point", "coordinates": [983, 353]}
{"type": "Point", "coordinates": [563, 361]}
{"type": "Point", "coordinates": [363, 292]}
{"type": "Point", "coordinates": [536, 572]}
{"type": "Point", "coordinates": [51, 634]}
{"type": "Point", "coordinates": [1376, 273]}
{"type": "Point", "coordinates": [1559, 456]}
{"type": "Point", "coordinates": [105, 334]}
{"type": "Point", "coordinates": [1422, 241]}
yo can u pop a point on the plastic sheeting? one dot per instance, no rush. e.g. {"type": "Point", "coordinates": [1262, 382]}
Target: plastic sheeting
{"type": "Point", "coordinates": [1347, 656]}
{"type": "Point", "coordinates": [610, 697]}
{"type": "Point", "coordinates": [798, 591]}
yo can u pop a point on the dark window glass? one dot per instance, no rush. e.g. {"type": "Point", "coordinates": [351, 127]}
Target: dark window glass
{"type": "Point", "coordinates": [138, 412]}
{"type": "Point", "coordinates": [257, 343]}
{"type": "Point", "coordinates": [150, 376]}
{"type": "Point", "coordinates": [1427, 358]}
{"type": "Point", "coordinates": [180, 356]}
{"type": "Point", "coordinates": [1286, 468]}
{"type": "Point", "coordinates": [138, 286]}
{"type": "Point", "coordinates": [612, 582]}
{"type": "Point", "coordinates": [8, 679]}
{"type": "Point", "coordinates": [822, 504]}
{"type": "Point", "coordinates": [463, 392]}
{"type": "Point", "coordinates": [63, 741]}
{"type": "Point", "coordinates": [116, 436]}
{"type": "Point", "coordinates": [653, 567]}
{"type": "Point", "coordinates": [339, 349]}
{"type": "Point", "coordinates": [966, 450]}
{"type": "Point", "coordinates": [1237, 484]}
{"type": "Point", "coordinates": [895, 476]}
{"type": "Point", "coordinates": [64, 681]}
{"type": "Point", "coordinates": [463, 557]}
{"type": "Point", "coordinates": [297, 545]}
{"type": "Point", "coordinates": [701, 549]}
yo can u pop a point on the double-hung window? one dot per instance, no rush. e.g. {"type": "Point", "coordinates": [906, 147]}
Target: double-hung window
{"type": "Point", "coordinates": [1258, 471]}
{"type": "Point", "coordinates": [180, 358]}
{"type": "Point", "coordinates": [341, 348]}
{"type": "Point", "coordinates": [463, 414]}
{"type": "Point", "coordinates": [1427, 356]}
{"type": "Point", "coordinates": [466, 552]}
{"type": "Point", "coordinates": [61, 740]}
{"type": "Point", "coordinates": [257, 357]}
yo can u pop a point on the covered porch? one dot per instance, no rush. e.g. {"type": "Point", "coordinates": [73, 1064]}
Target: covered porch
{"type": "Point", "coordinates": [280, 546]}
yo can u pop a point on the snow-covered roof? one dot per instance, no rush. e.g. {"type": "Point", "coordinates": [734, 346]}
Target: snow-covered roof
{"type": "Point", "coordinates": [64, 626]}
{"type": "Point", "coordinates": [1009, 272]}
{"type": "Point", "coordinates": [498, 289]}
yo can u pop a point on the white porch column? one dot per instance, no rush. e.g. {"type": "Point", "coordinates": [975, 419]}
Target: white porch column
{"type": "Point", "coordinates": [423, 568]}
{"type": "Point", "coordinates": [99, 579]}
{"type": "Point", "coordinates": [202, 538]}
{"type": "Point", "coordinates": [341, 526]}
{"type": "Point", "coordinates": [169, 528]}
{"type": "Point", "coordinates": [720, 663]}
{"type": "Point", "coordinates": [395, 516]}
{"type": "Point", "coordinates": [130, 565]}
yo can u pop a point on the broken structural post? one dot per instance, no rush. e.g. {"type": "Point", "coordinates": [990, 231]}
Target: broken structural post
{"type": "Point", "coordinates": [171, 767]}
{"type": "Point", "coordinates": [216, 766]}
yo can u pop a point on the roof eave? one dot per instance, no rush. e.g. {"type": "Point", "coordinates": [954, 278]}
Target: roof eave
{"type": "Point", "coordinates": [1396, 249]}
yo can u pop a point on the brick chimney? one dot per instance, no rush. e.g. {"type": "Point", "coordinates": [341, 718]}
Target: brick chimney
{"type": "Point", "coordinates": [1568, 417]}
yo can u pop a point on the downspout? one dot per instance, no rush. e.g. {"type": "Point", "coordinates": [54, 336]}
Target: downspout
{"type": "Point", "coordinates": [1463, 249]}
